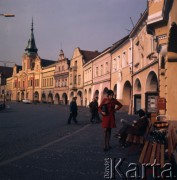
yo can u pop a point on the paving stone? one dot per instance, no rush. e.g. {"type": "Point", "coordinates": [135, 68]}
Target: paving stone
{"type": "Point", "coordinates": [76, 152]}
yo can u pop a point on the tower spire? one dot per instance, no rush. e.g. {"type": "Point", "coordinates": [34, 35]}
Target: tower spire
{"type": "Point", "coordinates": [31, 47]}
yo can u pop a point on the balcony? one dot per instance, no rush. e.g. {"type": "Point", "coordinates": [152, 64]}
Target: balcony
{"type": "Point", "coordinates": [22, 88]}
{"type": "Point", "coordinates": [73, 86]}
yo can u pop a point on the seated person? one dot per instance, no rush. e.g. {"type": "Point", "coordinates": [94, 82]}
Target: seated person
{"type": "Point", "coordinates": [138, 127]}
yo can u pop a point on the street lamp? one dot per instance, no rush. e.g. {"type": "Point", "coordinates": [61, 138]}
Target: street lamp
{"type": "Point", "coordinates": [5, 15]}
{"type": "Point", "coordinates": [8, 15]}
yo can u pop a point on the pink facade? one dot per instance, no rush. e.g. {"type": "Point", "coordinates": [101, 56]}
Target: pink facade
{"type": "Point", "coordinates": [101, 74]}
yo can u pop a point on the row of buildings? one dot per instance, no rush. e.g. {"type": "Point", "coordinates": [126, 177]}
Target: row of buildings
{"type": "Point", "coordinates": [140, 68]}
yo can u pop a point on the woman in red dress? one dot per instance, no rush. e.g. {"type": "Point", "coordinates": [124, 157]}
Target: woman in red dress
{"type": "Point", "coordinates": [107, 108]}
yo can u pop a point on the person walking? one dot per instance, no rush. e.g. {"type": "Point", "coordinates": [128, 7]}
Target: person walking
{"type": "Point", "coordinates": [107, 108]}
{"type": "Point", "coordinates": [94, 111]}
{"type": "Point", "coordinates": [73, 111]}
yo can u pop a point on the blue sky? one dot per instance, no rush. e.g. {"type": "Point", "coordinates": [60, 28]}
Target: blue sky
{"type": "Point", "coordinates": [88, 24]}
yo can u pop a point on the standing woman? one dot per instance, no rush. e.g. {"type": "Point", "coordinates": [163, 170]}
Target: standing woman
{"type": "Point", "coordinates": [107, 108]}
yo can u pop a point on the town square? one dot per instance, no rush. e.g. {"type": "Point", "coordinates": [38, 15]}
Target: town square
{"type": "Point", "coordinates": [105, 112]}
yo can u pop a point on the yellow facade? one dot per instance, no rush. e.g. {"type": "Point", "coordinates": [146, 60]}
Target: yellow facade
{"type": "Point", "coordinates": [9, 86]}
{"type": "Point", "coordinates": [48, 83]}
{"type": "Point", "coordinates": [121, 80]}
{"type": "Point", "coordinates": [76, 73]}
{"type": "Point", "coordinates": [28, 82]}
{"type": "Point", "coordinates": [88, 80]}
{"type": "Point", "coordinates": [61, 76]}
{"type": "Point", "coordinates": [76, 76]}
{"type": "Point", "coordinates": [160, 20]}
{"type": "Point", "coordinates": [143, 68]}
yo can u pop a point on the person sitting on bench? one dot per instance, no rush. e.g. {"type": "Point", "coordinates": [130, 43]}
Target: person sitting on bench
{"type": "Point", "coordinates": [138, 128]}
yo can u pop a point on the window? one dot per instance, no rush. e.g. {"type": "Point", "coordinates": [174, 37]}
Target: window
{"type": "Point", "coordinates": [124, 59]}
{"type": "Point", "coordinates": [129, 55]}
{"type": "Point", "coordinates": [114, 65]}
{"type": "Point", "coordinates": [47, 81]}
{"type": "Point", "coordinates": [119, 62]}
{"type": "Point", "coordinates": [31, 82]}
{"type": "Point", "coordinates": [71, 79]}
{"type": "Point", "coordinates": [75, 63]}
{"type": "Point", "coordinates": [163, 63]}
{"type": "Point", "coordinates": [24, 66]}
{"type": "Point", "coordinates": [52, 82]}
{"type": "Point", "coordinates": [15, 84]}
{"type": "Point", "coordinates": [79, 79]}
{"type": "Point", "coordinates": [96, 71]}
{"type": "Point", "coordinates": [75, 79]}
{"type": "Point", "coordinates": [101, 70]}
{"type": "Point", "coordinates": [106, 68]}
{"type": "Point", "coordinates": [59, 68]}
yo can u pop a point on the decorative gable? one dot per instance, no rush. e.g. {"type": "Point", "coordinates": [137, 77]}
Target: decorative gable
{"type": "Point", "coordinates": [156, 11]}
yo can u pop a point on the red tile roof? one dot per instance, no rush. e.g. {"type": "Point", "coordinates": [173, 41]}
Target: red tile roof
{"type": "Point", "coordinates": [88, 55]}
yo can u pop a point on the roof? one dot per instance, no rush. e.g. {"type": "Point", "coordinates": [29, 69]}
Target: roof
{"type": "Point", "coordinates": [118, 43]}
{"type": "Point", "coordinates": [88, 55]}
{"type": "Point", "coordinates": [46, 62]}
{"type": "Point", "coordinates": [141, 20]}
{"type": "Point", "coordinates": [31, 47]}
{"type": "Point", "coordinates": [19, 68]}
{"type": "Point", "coordinates": [6, 70]}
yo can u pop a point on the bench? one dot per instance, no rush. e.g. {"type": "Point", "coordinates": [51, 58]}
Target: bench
{"type": "Point", "coordinates": [138, 139]}
{"type": "Point", "coordinates": [152, 152]}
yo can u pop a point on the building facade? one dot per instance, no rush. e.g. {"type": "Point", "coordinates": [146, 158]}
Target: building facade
{"type": "Point", "coordinates": [27, 81]}
{"type": "Point", "coordinates": [88, 81]}
{"type": "Point", "coordinates": [161, 21]}
{"type": "Point", "coordinates": [141, 68]}
{"type": "Point", "coordinates": [48, 84]}
{"type": "Point", "coordinates": [61, 76]}
{"type": "Point", "coordinates": [121, 77]}
{"type": "Point", "coordinates": [76, 73]}
{"type": "Point", "coordinates": [101, 74]}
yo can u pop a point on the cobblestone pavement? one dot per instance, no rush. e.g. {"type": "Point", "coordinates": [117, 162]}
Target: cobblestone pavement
{"type": "Point", "coordinates": [41, 146]}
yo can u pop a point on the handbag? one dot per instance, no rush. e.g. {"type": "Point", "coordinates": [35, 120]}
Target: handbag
{"type": "Point", "coordinates": [104, 108]}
